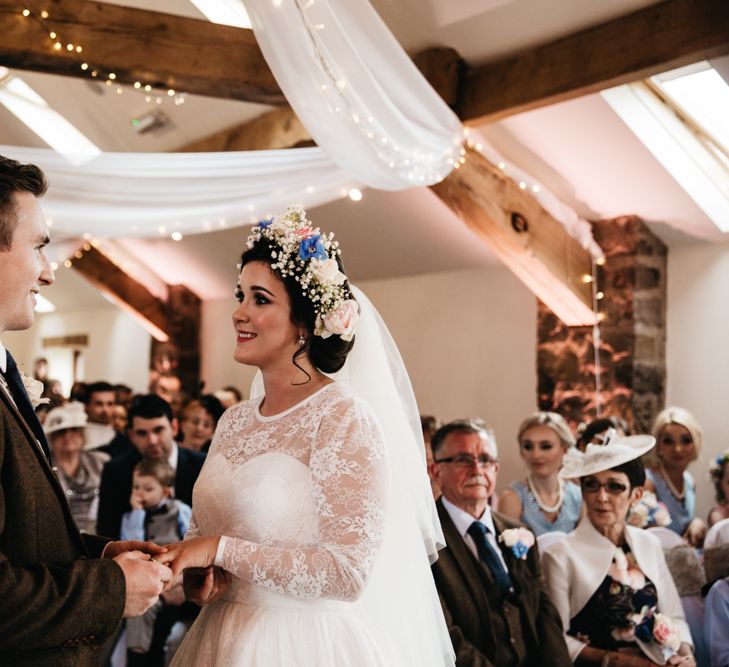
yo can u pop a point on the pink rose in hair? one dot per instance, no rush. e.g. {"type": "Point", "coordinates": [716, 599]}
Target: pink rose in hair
{"type": "Point", "coordinates": [342, 321]}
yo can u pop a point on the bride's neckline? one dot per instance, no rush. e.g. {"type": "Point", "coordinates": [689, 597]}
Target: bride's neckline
{"type": "Point", "coordinates": [295, 406]}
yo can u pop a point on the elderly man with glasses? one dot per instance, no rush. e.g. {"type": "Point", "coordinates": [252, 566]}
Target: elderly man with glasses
{"type": "Point", "coordinates": [488, 576]}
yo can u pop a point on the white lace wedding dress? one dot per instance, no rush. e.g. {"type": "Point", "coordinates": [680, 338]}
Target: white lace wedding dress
{"type": "Point", "coordinates": [299, 497]}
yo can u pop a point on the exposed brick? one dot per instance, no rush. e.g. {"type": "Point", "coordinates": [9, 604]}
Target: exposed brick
{"type": "Point", "coordinates": [632, 350]}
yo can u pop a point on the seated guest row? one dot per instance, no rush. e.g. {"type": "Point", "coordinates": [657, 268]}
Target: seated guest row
{"type": "Point", "coordinates": [607, 597]}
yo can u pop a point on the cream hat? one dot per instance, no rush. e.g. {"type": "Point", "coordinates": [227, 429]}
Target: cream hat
{"type": "Point", "coordinates": [614, 451]}
{"type": "Point", "coordinates": [71, 415]}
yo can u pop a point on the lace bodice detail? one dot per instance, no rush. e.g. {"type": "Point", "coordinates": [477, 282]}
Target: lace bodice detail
{"type": "Point", "coordinates": [299, 497]}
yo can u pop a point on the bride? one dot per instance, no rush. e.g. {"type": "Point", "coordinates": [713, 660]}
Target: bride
{"type": "Point", "coordinates": [313, 525]}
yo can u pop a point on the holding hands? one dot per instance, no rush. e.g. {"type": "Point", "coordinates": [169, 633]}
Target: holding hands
{"type": "Point", "coordinates": [196, 552]}
{"type": "Point", "coordinates": [144, 578]}
{"type": "Point", "coordinates": [194, 558]}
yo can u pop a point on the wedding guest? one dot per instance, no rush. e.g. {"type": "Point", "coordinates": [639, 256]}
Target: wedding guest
{"type": "Point", "coordinates": [60, 601]}
{"type": "Point", "coordinates": [543, 500]}
{"type": "Point", "coordinates": [100, 402]}
{"type": "Point", "coordinates": [103, 431]}
{"type": "Point", "coordinates": [199, 419]}
{"type": "Point", "coordinates": [488, 577]}
{"type": "Point", "coordinates": [595, 430]}
{"type": "Point", "coordinates": [678, 443]}
{"type": "Point", "coordinates": [151, 429]}
{"type": "Point", "coordinates": [78, 471]}
{"type": "Point", "coordinates": [124, 396]}
{"type": "Point", "coordinates": [608, 580]}
{"type": "Point", "coordinates": [719, 473]}
{"type": "Point", "coordinates": [158, 517]}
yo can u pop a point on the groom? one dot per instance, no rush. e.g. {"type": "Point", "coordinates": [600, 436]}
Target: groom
{"type": "Point", "coordinates": [62, 594]}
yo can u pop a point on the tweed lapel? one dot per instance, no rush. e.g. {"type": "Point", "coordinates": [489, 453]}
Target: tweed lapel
{"type": "Point", "coordinates": [464, 560]}
{"type": "Point", "coordinates": [45, 467]}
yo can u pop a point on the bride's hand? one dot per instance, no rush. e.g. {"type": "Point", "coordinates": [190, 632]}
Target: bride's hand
{"type": "Point", "coordinates": [205, 585]}
{"type": "Point", "coordinates": [195, 552]}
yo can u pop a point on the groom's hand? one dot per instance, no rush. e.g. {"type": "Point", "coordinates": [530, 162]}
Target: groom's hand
{"type": "Point", "coordinates": [204, 585]}
{"type": "Point", "coordinates": [144, 580]}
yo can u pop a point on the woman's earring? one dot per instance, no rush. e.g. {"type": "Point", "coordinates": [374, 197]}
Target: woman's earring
{"type": "Point", "coordinates": [302, 339]}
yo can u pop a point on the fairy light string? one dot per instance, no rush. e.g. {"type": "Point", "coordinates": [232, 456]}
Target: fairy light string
{"type": "Point", "coordinates": [152, 94]}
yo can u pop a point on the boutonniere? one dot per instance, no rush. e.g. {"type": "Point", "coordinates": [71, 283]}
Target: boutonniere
{"type": "Point", "coordinates": [34, 389]}
{"type": "Point", "coordinates": [519, 540]}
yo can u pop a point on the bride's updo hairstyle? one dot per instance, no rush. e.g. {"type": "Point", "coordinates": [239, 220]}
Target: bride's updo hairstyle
{"type": "Point", "coordinates": [308, 264]}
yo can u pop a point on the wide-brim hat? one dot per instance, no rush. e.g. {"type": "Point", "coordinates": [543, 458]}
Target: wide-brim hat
{"type": "Point", "coordinates": [615, 451]}
{"type": "Point", "coordinates": [71, 415]}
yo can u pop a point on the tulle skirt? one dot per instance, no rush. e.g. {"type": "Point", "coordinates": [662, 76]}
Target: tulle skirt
{"type": "Point", "coordinates": [297, 633]}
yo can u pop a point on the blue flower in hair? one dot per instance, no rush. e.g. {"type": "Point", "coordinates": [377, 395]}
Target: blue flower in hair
{"type": "Point", "coordinates": [312, 248]}
{"type": "Point", "coordinates": [265, 223]}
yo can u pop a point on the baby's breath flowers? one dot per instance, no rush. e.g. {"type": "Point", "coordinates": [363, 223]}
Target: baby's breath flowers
{"type": "Point", "coordinates": [301, 251]}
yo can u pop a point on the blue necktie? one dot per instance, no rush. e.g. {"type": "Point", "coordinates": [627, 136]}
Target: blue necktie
{"type": "Point", "coordinates": [488, 555]}
{"type": "Point", "coordinates": [17, 388]}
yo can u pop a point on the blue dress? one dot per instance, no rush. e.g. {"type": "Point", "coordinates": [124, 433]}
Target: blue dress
{"type": "Point", "coordinates": [532, 515]}
{"type": "Point", "coordinates": [682, 512]}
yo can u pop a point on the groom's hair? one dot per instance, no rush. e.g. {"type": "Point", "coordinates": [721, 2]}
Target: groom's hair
{"type": "Point", "coordinates": [16, 177]}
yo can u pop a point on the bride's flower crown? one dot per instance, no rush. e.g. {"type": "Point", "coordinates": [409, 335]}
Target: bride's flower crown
{"type": "Point", "coordinates": [301, 251]}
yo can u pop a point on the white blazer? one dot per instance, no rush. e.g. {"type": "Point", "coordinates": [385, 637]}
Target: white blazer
{"type": "Point", "coordinates": [575, 567]}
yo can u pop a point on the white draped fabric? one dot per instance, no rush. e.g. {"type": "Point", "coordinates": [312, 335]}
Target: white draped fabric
{"type": "Point", "coordinates": [154, 194]}
{"type": "Point", "coordinates": [357, 92]}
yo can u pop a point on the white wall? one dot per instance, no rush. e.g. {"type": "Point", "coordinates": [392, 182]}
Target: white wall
{"type": "Point", "coordinates": [118, 349]}
{"type": "Point", "coordinates": [698, 349]}
{"type": "Point", "coordinates": [468, 339]}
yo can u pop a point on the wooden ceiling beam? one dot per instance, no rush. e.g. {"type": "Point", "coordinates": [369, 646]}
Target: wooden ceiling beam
{"type": "Point", "coordinates": [655, 39]}
{"type": "Point", "coordinates": [165, 51]}
{"type": "Point", "coordinates": [123, 290]}
{"type": "Point", "coordinates": [527, 239]}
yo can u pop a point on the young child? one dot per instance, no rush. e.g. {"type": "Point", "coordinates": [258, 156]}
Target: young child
{"type": "Point", "coordinates": [719, 473]}
{"type": "Point", "coordinates": [155, 517]}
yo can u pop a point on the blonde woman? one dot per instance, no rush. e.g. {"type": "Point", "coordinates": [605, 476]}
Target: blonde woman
{"type": "Point", "coordinates": [678, 443]}
{"type": "Point", "coordinates": [542, 500]}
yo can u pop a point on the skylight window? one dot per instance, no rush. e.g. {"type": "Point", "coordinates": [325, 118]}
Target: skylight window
{"type": "Point", "coordinates": [681, 117]}
{"type": "Point", "coordinates": [701, 92]}
{"type": "Point", "coordinates": [225, 12]}
{"type": "Point", "coordinates": [29, 107]}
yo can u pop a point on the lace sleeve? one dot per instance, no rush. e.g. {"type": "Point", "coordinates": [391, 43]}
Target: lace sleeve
{"type": "Point", "coordinates": [348, 478]}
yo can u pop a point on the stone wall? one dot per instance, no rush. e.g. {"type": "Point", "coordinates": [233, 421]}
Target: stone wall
{"type": "Point", "coordinates": [632, 336]}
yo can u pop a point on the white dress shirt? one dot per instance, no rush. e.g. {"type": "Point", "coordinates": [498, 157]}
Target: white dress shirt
{"type": "Point", "coordinates": [463, 520]}
{"type": "Point", "coordinates": [3, 358]}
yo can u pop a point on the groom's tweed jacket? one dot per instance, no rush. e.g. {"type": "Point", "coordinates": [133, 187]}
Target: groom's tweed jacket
{"type": "Point", "coordinates": [58, 602]}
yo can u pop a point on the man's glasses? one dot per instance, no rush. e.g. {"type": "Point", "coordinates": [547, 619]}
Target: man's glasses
{"type": "Point", "coordinates": [467, 461]}
{"type": "Point", "coordinates": [591, 485]}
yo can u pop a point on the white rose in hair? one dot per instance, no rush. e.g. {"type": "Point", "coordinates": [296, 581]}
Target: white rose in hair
{"type": "Point", "coordinates": [342, 321]}
{"type": "Point", "coordinates": [327, 271]}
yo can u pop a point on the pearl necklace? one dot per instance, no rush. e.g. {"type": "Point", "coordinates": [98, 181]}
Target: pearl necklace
{"type": "Point", "coordinates": [548, 509]}
{"type": "Point", "coordinates": [676, 494]}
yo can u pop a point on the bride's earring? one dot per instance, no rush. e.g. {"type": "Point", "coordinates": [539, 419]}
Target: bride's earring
{"type": "Point", "coordinates": [302, 339]}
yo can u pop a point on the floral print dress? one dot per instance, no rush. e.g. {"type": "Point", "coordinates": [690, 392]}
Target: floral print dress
{"type": "Point", "coordinates": [621, 609]}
